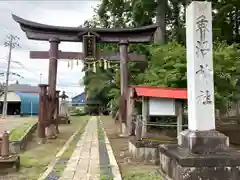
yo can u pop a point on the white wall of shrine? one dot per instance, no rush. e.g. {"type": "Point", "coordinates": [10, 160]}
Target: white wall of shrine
{"type": "Point", "coordinates": [162, 107]}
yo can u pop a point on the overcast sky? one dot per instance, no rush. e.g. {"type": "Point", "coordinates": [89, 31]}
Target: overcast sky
{"type": "Point", "coordinates": [61, 13]}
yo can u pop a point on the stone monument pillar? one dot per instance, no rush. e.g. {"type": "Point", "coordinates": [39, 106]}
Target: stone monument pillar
{"type": "Point", "coordinates": [201, 109]}
{"type": "Point", "coordinates": [202, 152]}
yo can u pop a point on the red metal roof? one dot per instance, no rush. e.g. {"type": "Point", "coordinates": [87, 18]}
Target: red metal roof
{"type": "Point", "coordinates": [159, 92]}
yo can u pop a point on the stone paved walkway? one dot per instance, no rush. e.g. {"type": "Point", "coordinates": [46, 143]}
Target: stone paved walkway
{"type": "Point", "coordinates": [84, 162]}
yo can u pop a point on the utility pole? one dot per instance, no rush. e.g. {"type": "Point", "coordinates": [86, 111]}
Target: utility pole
{"type": "Point", "coordinates": [40, 78]}
{"type": "Point", "coordinates": [11, 42]}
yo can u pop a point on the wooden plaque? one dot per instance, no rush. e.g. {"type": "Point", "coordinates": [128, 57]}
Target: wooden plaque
{"type": "Point", "coordinates": [89, 46]}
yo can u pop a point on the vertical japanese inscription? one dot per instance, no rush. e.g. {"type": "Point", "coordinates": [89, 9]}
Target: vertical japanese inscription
{"type": "Point", "coordinates": [204, 71]}
{"type": "Point", "coordinates": [89, 44]}
{"type": "Point", "coordinates": [202, 49]}
{"type": "Point", "coordinates": [202, 30]}
{"type": "Point", "coordinates": [204, 97]}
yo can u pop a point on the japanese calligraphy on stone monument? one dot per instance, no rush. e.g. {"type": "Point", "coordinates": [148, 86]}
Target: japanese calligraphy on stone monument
{"type": "Point", "coordinates": [202, 42]}
{"type": "Point", "coordinates": [205, 97]}
{"type": "Point", "coordinates": [204, 71]}
{"type": "Point", "coordinates": [202, 49]}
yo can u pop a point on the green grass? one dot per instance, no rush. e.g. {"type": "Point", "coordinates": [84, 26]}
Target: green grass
{"type": "Point", "coordinates": [141, 176]}
{"type": "Point", "coordinates": [19, 132]}
{"type": "Point", "coordinates": [100, 132]}
{"type": "Point", "coordinates": [105, 178]}
{"type": "Point", "coordinates": [59, 168]}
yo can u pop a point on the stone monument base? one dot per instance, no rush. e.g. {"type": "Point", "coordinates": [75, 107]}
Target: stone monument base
{"type": "Point", "coordinates": [7, 163]}
{"type": "Point", "coordinates": [144, 150]}
{"type": "Point", "coordinates": [124, 132]}
{"type": "Point", "coordinates": [51, 132]}
{"type": "Point", "coordinates": [41, 140]}
{"type": "Point", "coordinates": [203, 155]}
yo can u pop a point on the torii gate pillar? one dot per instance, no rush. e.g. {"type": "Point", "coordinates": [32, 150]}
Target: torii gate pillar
{"type": "Point", "coordinates": [52, 81]}
{"type": "Point", "coordinates": [123, 49]}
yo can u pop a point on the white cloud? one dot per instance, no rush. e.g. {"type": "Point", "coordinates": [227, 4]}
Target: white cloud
{"type": "Point", "coordinates": [61, 13]}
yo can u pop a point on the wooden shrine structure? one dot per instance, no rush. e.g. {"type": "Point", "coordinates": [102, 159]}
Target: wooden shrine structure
{"type": "Point", "coordinates": [89, 37]}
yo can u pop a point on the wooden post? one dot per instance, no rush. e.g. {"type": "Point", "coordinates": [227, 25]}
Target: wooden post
{"type": "Point", "coordinates": [57, 111]}
{"type": "Point", "coordinates": [179, 117]}
{"type": "Point", "coordinates": [52, 80]}
{"type": "Point", "coordinates": [42, 112]}
{"type": "Point", "coordinates": [144, 116]}
{"type": "Point", "coordinates": [138, 128]}
{"type": "Point", "coordinates": [130, 108]}
{"type": "Point", "coordinates": [133, 125]}
{"type": "Point", "coordinates": [5, 145]}
{"type": "Point", "coordinates": [123, 49]}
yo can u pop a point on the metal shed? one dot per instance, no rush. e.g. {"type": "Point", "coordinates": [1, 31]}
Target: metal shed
{"type": "Point", "coordinates": [29, 103]}
{"type": "Point", "coordinates": [21, 103]}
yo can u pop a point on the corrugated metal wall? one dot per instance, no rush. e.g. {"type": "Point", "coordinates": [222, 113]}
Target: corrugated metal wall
{"type": "Point", "coordinates": [29, 103]}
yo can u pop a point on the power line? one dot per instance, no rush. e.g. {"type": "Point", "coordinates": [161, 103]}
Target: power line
{"type": "Point", "coordinates": [11, 42]}
{"type": "Point", "coordinates": [37, 75]}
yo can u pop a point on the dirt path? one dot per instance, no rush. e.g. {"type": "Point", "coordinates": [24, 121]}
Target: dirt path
{"type": "Point", "coordinates": [11, 122]}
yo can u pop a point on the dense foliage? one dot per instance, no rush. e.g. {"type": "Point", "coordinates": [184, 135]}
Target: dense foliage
{"type": "Point", "coordinates": [167, 62]}
{"type": "Point", "coordinates": [167, 68]}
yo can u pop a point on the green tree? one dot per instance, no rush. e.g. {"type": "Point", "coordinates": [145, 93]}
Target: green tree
{"type": "Point", "coordinates": [167, 68]}
{"type": "Point", "coordinates": [167, 64]}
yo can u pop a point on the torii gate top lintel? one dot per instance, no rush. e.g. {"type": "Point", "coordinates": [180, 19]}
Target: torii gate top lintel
{"type": "Point", "coordinates": [38, 31]}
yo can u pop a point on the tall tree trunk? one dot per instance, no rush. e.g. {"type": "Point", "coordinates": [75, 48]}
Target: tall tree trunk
{"type": "Point", "coordinates": [160, 34]}
{"type": "Point", "coordinates": [231, 33]}
{"type": "Point", "coordinates": [237, 21]}
{"type": "Point", "coordinates": [176, 23]}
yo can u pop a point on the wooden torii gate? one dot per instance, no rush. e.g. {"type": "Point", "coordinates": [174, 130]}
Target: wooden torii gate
{"type": "Point", "coordinates": [110, 56]}
{"type": "Point", "coordinates": [89, 37]}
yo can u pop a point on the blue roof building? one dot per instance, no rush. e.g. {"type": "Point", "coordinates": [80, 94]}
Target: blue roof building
{"type": "Point", "coordinates": [79, 100]}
